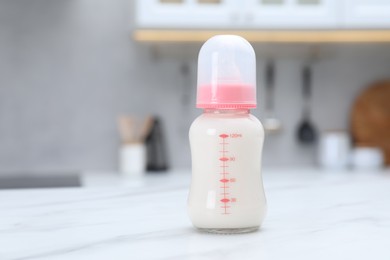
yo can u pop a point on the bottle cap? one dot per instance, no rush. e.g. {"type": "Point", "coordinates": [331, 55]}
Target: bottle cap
{"type": "Point", "coordinates": [226, 73]}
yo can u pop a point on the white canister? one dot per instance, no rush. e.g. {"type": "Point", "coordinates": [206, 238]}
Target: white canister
{"type": "Point", "coordinates": [334, 150]}
{"type": "Point", "coordinates": [367, 158]}
{"type": "Point", "coordinates": [132, 159]}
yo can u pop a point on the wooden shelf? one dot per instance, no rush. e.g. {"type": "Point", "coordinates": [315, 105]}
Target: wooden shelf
{"type": "Point", "coordinates": [274, 36]}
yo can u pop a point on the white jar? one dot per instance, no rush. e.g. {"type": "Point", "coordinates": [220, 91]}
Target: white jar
{"type": "Point", "coordinates": [334, 150]}
{"type": "Point", "coordinates": [367, 158]}
{"type": "Point", "coordinates": [132, 159]}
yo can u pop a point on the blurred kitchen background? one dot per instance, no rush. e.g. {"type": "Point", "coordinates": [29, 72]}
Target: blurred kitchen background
{"type": "Point", "coordinates": [69, 69]}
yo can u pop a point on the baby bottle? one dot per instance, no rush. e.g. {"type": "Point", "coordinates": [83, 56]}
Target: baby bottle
{"type": "Point", "coordinates": [226, 194]}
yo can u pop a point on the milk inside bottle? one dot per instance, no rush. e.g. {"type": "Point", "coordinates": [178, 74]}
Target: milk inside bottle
{"type": "Point", "coordinates": [226, 194]}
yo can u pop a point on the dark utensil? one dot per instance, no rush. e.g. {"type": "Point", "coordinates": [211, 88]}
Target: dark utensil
{"type": "Point", "coordinates": [157, 159]}
{"type": "Point", "coordinates": [306, 132]}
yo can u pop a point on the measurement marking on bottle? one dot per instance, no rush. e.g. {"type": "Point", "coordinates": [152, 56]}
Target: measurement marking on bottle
{"type": "Point", "coordinates": [224, 160]}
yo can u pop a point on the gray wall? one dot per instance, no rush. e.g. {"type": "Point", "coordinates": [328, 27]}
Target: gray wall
{"type": "Point", "coordinates": [69, 68]}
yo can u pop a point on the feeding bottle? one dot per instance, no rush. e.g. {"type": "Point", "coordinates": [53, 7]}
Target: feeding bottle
{"type": "Point", "coordinates": [226, 194]}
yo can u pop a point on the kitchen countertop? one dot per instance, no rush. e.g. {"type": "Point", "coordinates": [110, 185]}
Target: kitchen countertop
{"type": "Point", "coordinates": [311, 215]}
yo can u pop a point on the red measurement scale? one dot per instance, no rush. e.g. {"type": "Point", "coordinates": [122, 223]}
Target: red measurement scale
{"type": "Point", "coordinates": [224, 159]}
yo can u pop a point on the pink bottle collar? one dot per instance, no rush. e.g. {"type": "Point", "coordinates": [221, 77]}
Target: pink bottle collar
{"type": "Point", "coordinates": [229, 96]}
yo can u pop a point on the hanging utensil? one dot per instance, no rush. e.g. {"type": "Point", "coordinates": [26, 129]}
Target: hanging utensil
{"type": "Point", "coordinates": [271, 123]}
{"type": "Point", "coordinates": [306, 132]}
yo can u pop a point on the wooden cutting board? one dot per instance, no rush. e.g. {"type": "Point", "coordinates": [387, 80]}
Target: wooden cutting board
{"type": "Point", "coordinates": [370, 118]}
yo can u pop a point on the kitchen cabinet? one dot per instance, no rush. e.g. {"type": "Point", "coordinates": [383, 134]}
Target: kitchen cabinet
{"type": "Point", "coordinates": [225, 14]}
{"type": "Point", "coordinates": [281, 21]}
{"type": "Point", "coordinates": [292, 14]}
{"type": "Point", "coordinates": [263, 14]}
{"type": "Point", "coordinates": [367, 14]}
{"type": "Point", "coordinates": [186, 14]}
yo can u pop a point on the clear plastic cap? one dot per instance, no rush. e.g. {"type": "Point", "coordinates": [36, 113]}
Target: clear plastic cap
{"type": "Point", "coordinates": [226, 73]}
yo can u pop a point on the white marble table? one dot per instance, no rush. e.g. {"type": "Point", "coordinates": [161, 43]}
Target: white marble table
{"type": "Point", "coordinates": [311, 215]}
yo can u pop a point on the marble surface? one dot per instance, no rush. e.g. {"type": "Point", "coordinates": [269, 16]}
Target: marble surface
{"type": "Point", "coordinates": [311, 215]}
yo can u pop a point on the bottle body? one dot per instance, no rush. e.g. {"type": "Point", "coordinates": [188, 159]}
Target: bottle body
{"type": "Point", "coordinates": [226, 193]}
